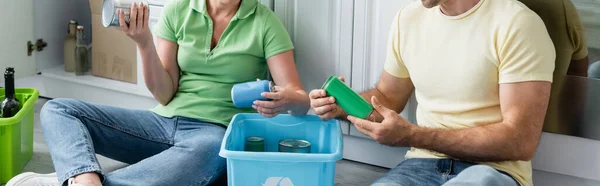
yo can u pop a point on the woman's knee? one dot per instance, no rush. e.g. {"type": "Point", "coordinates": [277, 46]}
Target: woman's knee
{"type": "Point", "coordinates": [54, 109]}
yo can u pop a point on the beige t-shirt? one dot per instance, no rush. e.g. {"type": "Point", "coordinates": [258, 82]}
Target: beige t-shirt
{"type": "Point", "coordinates": [456, 64]}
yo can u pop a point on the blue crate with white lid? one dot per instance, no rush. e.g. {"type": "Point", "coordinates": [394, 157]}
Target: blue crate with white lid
{"type": "Point", "coordinates": [273, 168]}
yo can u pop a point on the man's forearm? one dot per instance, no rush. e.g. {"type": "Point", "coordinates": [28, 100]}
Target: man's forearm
{"type": "Point", "coordinates": [493, 142]}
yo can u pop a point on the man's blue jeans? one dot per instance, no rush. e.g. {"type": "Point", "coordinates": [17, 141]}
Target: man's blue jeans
{"type": "Point", "coordinates": [446, 172]}
{"type": "Point", "coordinates": [160, 151]}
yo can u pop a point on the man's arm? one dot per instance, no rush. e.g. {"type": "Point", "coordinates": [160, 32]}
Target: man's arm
{"type": "Point", "coordinates": [516, 137]}
{"type": "Point", "coordinates": [393, 91]}
{"type": "Point", "coordinates": [523, 108]}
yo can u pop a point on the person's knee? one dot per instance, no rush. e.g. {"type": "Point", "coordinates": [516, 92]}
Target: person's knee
{"type": "Point", "coordinates": [204, 144]}
{"type": "Point", "coordinates": [53, 109]}
{"type": "Point", "coordinates": [481, 175]}
{"type": "Point", "coordinates": [480, 170]}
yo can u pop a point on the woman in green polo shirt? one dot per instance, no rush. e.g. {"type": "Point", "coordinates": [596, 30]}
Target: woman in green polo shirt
{"type": "Point", "coordinates": [203, 48]}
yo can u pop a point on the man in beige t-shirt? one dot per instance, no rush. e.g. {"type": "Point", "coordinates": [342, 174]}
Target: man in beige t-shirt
{"type": "Point", "coordinates": [481, 71]}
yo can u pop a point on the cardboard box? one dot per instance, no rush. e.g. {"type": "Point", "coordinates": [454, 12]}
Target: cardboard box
{"type": "Point", "coordinates": [114, 55]}
{"type": "Point", "coordinates": [96, 6]}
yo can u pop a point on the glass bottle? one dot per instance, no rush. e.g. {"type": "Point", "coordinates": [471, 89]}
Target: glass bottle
{"type": "Point", "coordinates": [69, 47]}
{"type": "Point", "coordinates": [10, 105]}
{"type": "Point", "coordinates": [81, 53]}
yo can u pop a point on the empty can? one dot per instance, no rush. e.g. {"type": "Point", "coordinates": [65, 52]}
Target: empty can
{"type": "Point", "coordinates": [294, 146]}
{"type": "Point", "coordinates": [243, 95]}
{"type": "Point", "coordinates": [347, 99]}
{"type": "Point", "coordinates": [110, 11]}
{"type": "Point", "coordinates": [255, 144]}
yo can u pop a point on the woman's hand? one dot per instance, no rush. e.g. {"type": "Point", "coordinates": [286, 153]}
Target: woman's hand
{"type": "Point", "coordinates": [277, 105]}
{"type": "Point", "coordinates": [137, 29]}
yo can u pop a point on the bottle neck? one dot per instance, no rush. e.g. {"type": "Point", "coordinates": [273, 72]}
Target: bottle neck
{"type": "Point", "coordinates": [9, 82]}
{"type": "Point", "coordinates": [72, 30]}
{"type": "Point", "coordinates": [80, 41]}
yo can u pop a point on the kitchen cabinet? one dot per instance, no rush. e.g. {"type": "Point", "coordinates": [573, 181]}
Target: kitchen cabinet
{"type": "Point", "coordinates": [322, 36]}
{"type": "Point", "coordinates": [43, 70]}
{"type": "Point", "coordinates": [38, 19]}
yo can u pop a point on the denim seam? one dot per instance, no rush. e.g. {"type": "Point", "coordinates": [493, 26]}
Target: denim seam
{"type": "Point", "coordinates": [73, 111]}
{"type": "Point", "coordinates": [91, 153]}
{"type": "Point", "coordinates": [175, 129]}
{"type": "Point", "coordinates": [79, 171]}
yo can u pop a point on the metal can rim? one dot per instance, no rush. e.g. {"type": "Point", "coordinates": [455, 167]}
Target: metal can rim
{"type": "Point", "coordinates": [255, 139]}
{"type": "Point", "coordinates": [304, 143]}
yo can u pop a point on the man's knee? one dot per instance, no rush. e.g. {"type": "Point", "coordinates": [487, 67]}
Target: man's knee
{"type": "Point", "coordinates": [483, 170]}
{"type": "Point", "coordinates": [481, 175]}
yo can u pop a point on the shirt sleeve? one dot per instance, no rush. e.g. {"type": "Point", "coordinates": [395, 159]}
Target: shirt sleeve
{"type": "Point", "coordinates": [276, 39]}
{"type": "Point", "coordinates": [526, 52]}
{"type": "Point", "coordinates": [393, 61]}
{"type": "Point", "coordinates": [165, 28]}
{"type": "Point", "coordinates": [576, 32]}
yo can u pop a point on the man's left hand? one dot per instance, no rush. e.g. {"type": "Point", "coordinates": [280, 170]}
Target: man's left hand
{"type": "Point", "coordinates": [394, 130]}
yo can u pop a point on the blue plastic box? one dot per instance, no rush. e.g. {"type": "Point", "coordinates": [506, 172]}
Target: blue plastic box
{"type": "Point", "coordinates": [272, 168]}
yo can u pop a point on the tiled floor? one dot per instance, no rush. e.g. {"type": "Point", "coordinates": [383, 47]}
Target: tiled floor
{"type": "Point", "coordinates": [348, 173]}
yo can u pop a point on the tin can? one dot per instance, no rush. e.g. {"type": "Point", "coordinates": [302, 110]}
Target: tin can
{"type": "Point", "coordinates": [255, 144]}
{"type": "Point", "coordinates": [243, 95]}
{"type": "Point", "coordinates": [347, 99]}
{"type": "Point", "coordinates": [294, 146]}
{"type": "Point", "coordinates": [110, 11]}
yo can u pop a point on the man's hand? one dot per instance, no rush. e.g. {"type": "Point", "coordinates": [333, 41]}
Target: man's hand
{"type": "Point", "coordinates": [394, 130]}
{"type": "Point", "coordinates": [325, 106]}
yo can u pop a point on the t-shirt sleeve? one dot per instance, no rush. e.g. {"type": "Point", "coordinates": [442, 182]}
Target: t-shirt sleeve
{"type": "Point", "coordinates": [526, 52]}
{"type": "Point", "coordinates": [167, 24]}
{"type": "Point", "coordinates": [276, 39]}
{"type": "Point", "coordinates": [393, 61]}
{"type": "Point", "coordinates": [576, 31]}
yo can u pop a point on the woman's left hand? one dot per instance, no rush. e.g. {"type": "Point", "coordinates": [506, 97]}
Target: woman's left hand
{"type": "Point", "coordinates": [278, 104]}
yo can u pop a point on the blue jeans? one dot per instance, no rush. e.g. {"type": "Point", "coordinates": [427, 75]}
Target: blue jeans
{"type": "Point", "coordinates": [447, 172]}
{"type": "Point", "coordinates": [160, 151]}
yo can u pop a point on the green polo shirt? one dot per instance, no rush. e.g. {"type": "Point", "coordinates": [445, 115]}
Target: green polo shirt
{"type": "Point", "coordinates": [206, 77]}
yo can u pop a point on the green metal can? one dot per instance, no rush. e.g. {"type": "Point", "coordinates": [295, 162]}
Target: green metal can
{"type": "Point", "coordinates": [255, 144]}
{"type": "Point", "coordinates": [346, 98]}
{"type": "Point", "coordinates": [294, 146]}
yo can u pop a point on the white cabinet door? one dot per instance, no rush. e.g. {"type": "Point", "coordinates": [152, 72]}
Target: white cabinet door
{"type": "Point", "coordinates": [372, 20]}
{"type": "Point", "coordinates": [17, 28]}
{"type": "Point", "coordinates": [322, 36]}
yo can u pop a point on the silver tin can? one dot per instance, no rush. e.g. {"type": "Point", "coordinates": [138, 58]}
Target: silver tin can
{"type": "Point", "coordinates": [110, 11]}
{"type": "Point", "coordinates": [294, 146]}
